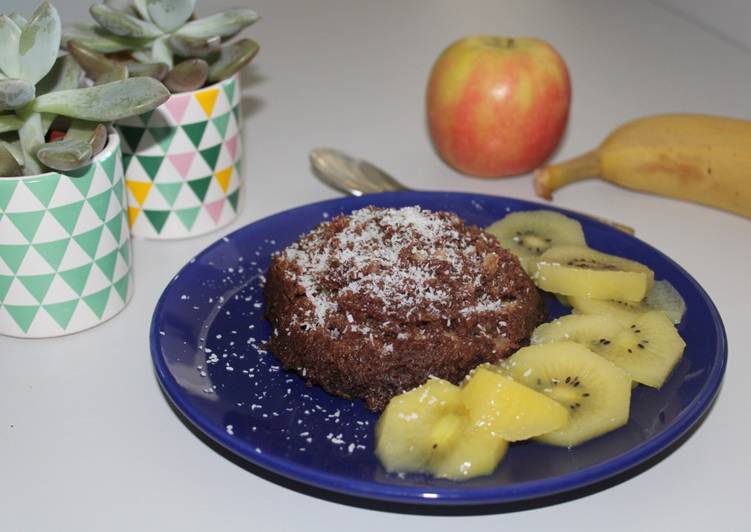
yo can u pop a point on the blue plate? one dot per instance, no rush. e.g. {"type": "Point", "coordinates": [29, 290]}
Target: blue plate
{"type": "Point", "coordinates": [207, 343]}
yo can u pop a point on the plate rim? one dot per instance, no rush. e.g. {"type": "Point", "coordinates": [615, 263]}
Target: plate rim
{"type": "Point", "coordinates": [453, 495]}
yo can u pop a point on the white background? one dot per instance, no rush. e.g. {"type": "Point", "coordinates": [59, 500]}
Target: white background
{"type": "Point", "coordinates": [87, 441]}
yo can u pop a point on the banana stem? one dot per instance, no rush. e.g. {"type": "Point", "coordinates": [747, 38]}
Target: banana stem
{"type": "Point", "coordinates": [554, 176]}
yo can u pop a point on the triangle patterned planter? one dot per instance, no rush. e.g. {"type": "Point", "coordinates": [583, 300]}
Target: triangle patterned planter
{"type": "Point", "coordinates": [61, 237]}
{"type": "Point", "coordinates": [182, 159]}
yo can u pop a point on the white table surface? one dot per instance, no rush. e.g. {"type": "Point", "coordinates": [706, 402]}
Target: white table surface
{"type": "Point", "coordinates": [88, 442]}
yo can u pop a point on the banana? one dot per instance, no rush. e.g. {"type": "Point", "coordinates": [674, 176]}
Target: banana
{"type": "Point", "coordinates": [698, 158]}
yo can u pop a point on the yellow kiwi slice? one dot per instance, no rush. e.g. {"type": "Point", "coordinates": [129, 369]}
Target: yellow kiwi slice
{"type": "Point", "coordinates": [584, 272]}
{"type": "Point", "coordinates": [475, 454]}
{"type": "Point", "coordinates": [662, 296]}
{"type": "Point", "coordinates": [595, 391]}
{"type": "Point", "coordinates": [509, 409]}
{"type": "Point", "coordinates": [647, 347]}
{"type": "Point", "coordinates": [528, 234]}
{"type": "Point", "coordinates": [419, 423]}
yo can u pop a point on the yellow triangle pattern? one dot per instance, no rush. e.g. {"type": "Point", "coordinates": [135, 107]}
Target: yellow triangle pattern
{"type": "Point", "coordinates": [132, 215]}
{"type": "Point", "coordinates": [207, 99]}
{"type": "Point", "coordinates": [139, 190]}
{"type": "Point", "coordinates": [223, 177]}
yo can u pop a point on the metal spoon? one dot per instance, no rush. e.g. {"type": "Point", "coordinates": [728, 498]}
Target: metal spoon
{"type": "Point", "coordinates": [357, 177]}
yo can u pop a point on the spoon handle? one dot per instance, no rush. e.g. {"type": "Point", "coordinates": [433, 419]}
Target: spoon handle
{"type": "Point", "coordinates": [349, 175]}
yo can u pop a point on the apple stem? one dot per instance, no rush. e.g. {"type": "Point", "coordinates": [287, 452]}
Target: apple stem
{"type": "Point", "coordinates": [554, 176]}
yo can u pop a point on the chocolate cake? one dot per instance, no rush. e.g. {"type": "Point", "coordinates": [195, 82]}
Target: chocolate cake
{"type": "Point", "coordinates": [371, 304]}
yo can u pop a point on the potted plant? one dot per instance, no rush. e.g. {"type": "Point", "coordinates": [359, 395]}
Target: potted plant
{"type": "Point", "coordinates": [65, 260]}
{"type": "Point", "coordinates": [182, 161]}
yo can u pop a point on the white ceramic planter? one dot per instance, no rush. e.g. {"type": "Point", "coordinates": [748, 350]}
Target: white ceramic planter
{"type": "Point", "coordinates": [183, 163]}
{"type": "Point", "coordinates": [65, 255]}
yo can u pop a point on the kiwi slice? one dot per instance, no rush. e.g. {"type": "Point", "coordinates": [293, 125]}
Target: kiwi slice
{"type": "Point", "coordinates": [662, 296]}
{"type": "Point", "coordinates": [584, 272]}
{"type": "Point", "coordinates": [596, 392]}
{"type": "Point", "coordinates": [647, 347]}
{"type": "Point", "coordinates": [428, 429]}
{"type": "Point", "coordinates": [509, 409]}
{"type": "Point", "coordinates": [528, 234]}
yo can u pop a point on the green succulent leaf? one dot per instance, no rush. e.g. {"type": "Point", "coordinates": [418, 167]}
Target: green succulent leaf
{"type": "Point", "coordinates": [18, 19]}
{"type": "Point", "coordinates": [31, 135]}
{"type": "Point", "coordinates": [65, 155]}
{"type": "Point", "coordinates": [10, 34]}
{"type": "Point", "coordinates": [14, 147]}
{"type": "Point", "coordinates": [170, 15]}
{"type": "Point", "coordinates": [232, 58]}
{"type": "Point", "coordinates": [224, 24]}
{"type": "Point", "coordinates": [126, 6]}
{"type": "Point", "coordinates": [185, 46]}
{"type": "Point", "coordinates": [143, 11]}
{"type": "Point", "coordinates": [123, 24]}
{"type": "Point", "coordinates": [39, 43]}
{"type": "Point", "coordinates": [93, 133]}
{"type": "Point", "coordinates": [152, 70]}
{"type": "Point", "coordinates": [187, 76]}
{"type": "Point", "coordinates": [9, 166]}
{"type": "Point", "coordinates": [98, 67]}
{"type": "Point", "coordinates": [15, 93]}
{"type": "Point", "coordinates": [105, 103]}
{"type": "Point", "coordinates": [66, 74]}
{"type": "Point", "coordinates": [161, 52]}
{"type": "Point", "coordinates": [99, 39]}
{"type": "Point", "coordinates": [10, 122]}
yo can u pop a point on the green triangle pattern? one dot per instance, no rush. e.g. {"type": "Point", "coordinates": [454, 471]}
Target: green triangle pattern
{"type": "Point", "coordinates": [236, 112]}
{"type": "Point", "coordinates": [125, 252]}
{"type": "Point", "coordinates": [84, 176]}
{"type": "Point", "coordinates": [195, 132]}
{"type": "Point", "coordinates": [126, 160]}
{"type": "Point", "coordinates": [100, 202]}
{"type": "Point", "coordinates": [157, 218]}
{"type": "Point", "coordinates": [5, 281]}
{"type": "Point", "coordinates": [77, 277]}
{"type": "Point", "coordinates": [115, 226]}
{"type": "Point", "coordinates": [221, 123]}
{"type": "Point", "coordinates": [233, 199]}
{"type": "Point", "coordinates": [122, 287]}
{"type": "Point", "coordinates": [89, 240]}
{"type": "Point", "coordinates": [132, 136]}
{"type": "Point", "coordinates": [23, 315]}
{"type": "Point", "coordinates": [44, 188]}
{"type": "Point", "coordinates": [98, 301]}
{"type": "Point", "coordinates": [145, 117]}
{"type": "Point", "coordinates": [107, 264]}
{"type": "Point", "coordinates": [68, 215]}
{"type": "Point", "coordinates": [7, 187]}
{"type": "Point", "coordinates": [169, 191]}
{"type": "Point", "coordinates": [210, 155]}
{"type": "Point", "coordinates": [13, 255]}
{"type": "Point", "coordinates": [229, 89]}
{"type": "Point", "coordinates": [119, 191]}
{"type": "Point", "coordinates": [200, 186]}
{"type": "Point", "coordinates": [37, 285]}
{"type": "Point", "coordinates": [26, 222]}
{"type": "Point", "coordinates": [53, 252]}
{"type": "Point", "coordinates": [108, 165]}
{"type": "Point", "coordinates": [188, 216]}
{"type": "Point", "coordinates": [163, 136]}
{"type": "Point", "coordinates": [62, 312]}
{"type": "Point", "coordinates": [151, 164]}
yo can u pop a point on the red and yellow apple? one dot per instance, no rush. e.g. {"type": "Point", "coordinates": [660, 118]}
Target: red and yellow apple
{"type": "Point", "coordinates": [497, 106]}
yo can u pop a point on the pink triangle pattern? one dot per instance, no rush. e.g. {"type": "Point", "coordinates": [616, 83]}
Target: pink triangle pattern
{"type": "Point", "coordinates": [232, 146]}
{"type": "Point", "coordinates": [182, 161]}
{"type": "Point", "coordinates": [176, 106]}
{"type": "Point", "coordinates": [215, 208]}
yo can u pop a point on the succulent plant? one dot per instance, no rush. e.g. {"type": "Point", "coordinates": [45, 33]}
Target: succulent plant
{"type": "Point", "coordinates": [38, 87]}
{"type": "Point", "coordinates": [162, 39]}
